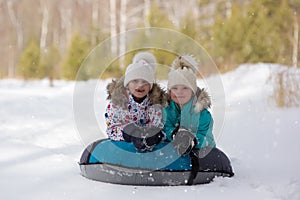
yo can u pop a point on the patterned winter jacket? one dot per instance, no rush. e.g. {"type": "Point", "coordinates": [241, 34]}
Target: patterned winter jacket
{"type": "Point", "coordinates": [194, 116]}
{"type": "Point", "coordinates": [122, 109]}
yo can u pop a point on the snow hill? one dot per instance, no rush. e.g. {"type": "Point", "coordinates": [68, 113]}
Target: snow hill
{"type": "Point", "coordinates": [40, 146]}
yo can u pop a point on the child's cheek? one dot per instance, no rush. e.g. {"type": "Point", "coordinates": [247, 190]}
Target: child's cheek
{"type": "Point", "coordinates": [173, 97]}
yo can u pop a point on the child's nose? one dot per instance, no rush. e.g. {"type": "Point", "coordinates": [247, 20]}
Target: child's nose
{"type": "Point", "coordinates": [180, 91]}
{"type": "Point", "coordinates": [140, 84]}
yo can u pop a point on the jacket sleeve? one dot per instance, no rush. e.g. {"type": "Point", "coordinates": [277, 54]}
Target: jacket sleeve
{"type": "Point", "coordinates": [155, 116]}
{"type": "Point", "coordinates": [113, 122]}
{"type": "Point", "coordinates": [204, 133]}
{"type": "Point", "coordinates": [170, 123]}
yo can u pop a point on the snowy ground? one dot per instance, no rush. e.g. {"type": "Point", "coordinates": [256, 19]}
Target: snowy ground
{"type": "Point", "coordinates": [40, 147]}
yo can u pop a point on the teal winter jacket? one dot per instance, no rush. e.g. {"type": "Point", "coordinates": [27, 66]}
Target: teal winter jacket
{"type": "Point", "coordinates": [194, 116]}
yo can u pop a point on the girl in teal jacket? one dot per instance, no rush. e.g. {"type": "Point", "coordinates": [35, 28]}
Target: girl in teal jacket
{"type": "Point", "coordinates": [186, 118]}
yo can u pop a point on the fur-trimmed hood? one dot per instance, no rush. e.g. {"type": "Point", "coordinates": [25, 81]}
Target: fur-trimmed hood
{"type": "Point", "coordinates": [117, 93]}
{"type": "Point", "coordinates": [202, 100]}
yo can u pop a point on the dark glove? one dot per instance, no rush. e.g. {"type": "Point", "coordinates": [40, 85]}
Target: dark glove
{"type": "Point", "coordinates": [152, 136]}
{"type": "Point", "coordinates": [139, 144]}
{"type": "Point", "coordinates": [148, 138]}
{"type": "Point", "coordinates": [130, 131]}
{"type": "Point", "coordinates": [184, 141]}
{"type": "Point", "coordinates": [143, 138]}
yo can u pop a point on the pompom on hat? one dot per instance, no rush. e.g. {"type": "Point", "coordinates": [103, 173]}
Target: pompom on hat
{"type": "Point", "coordinates": [143, 66]}
{"type": "Point", "coordinates": [147, 57]}
{"type": "Point", "coordinates": [183, 72]}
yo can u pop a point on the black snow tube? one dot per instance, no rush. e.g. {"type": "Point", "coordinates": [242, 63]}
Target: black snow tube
{"type": "Point", "coordinates": [118, 162]}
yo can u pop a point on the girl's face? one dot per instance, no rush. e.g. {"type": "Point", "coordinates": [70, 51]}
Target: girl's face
{"type": "Point", "coordinates": [139, 88]}
{"type": "Point", "coordinates": [181, 94]}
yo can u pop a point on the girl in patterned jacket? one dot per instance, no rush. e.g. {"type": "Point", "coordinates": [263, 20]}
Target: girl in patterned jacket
{"type": "Point", "coordinates": [136, 104]}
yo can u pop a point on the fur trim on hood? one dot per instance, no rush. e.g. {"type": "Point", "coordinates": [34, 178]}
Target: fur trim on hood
{"type": "Point", "coordinates": [117, 93]}
{"type": "Point", "coordinates": [202, 100]}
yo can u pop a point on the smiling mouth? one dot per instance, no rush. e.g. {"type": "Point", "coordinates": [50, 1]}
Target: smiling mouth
{"type": "Point", "coordinates": [139, 90]}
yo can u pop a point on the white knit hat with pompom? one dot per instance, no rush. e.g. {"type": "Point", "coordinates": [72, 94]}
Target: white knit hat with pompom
{"type": "Point", "coordinates": [183, 72]}
{"type": "Point", "coordinates": [143, 66]}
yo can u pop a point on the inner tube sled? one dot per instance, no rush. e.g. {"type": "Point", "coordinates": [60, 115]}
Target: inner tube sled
{"type": "Point", "coordinates": [118, 162]}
